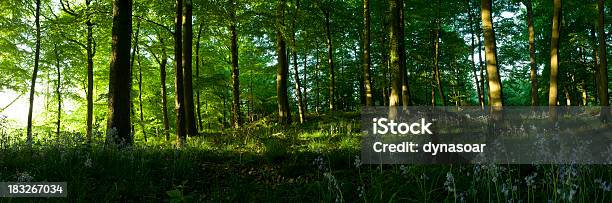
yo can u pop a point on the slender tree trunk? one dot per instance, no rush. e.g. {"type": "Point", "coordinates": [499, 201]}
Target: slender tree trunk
{"type": "Point", "coordinates": [34, 73]}
{"type": "Point", "coordinates": [595, 64]}
{"type": "Point", "coordinates": [495, 86]}
{"type": "Point", "coordinates": [472, 48]}
{"type": "Point", "coordinates": [394, 54]}
{"type": "Point", "coordinates": [142, 125]}
{"type": "Point", "coordinates": [367, 62]}
{"type": "Point", "coordinates": [385, 65]}
{"type": "Point", "coordinates": [433, 95]}
{"type": "Point", "coordinates": [187, 68]}
{"type": "Point", "coordinates": [162, 73]}
{"type": "Point", "coordinates": [132, 62]}
{"type": "Point", "coordinates": [316, 79]}
{"type": "Point", "coordinates": [58, 90]}
{"type": "Point", "coordinates": [298, 87]}
{"type": "Point", "coordinates": [90, 65]}
{"type": "Point", "coordinates": [181, 132]}
{"type": "Point", "coordinates": [118, 125]}
{"type": "Point", "coordinates": [330, 60]}
{"type": "Point", "coordinates": [224, 113]}
{"type": "Point", "coordinates": [304, 86]}
{"type": "Point", "coordinates": [237, 115]}
{"type": "Point", "coordinates": [402, 57]}
{"type": "Point", "coordinates": [485, 94]}
{"type": "Point", "coordinates": [533, 72]}
{"type": "Point", "coordinates": [91, 52]}
{"type": "Point", "coordinates": [199, 106]}
{"type": "Point", "coordinates": [437, 63]}
{"type": "Point", "coordinates": [603, 64]}
{"type": "Point", "coordinates": [250, 110]}
{"type": "Point", "coordinates": [284, 113]}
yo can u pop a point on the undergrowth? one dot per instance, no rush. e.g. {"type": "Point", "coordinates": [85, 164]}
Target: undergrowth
{"type": "Point", "coordinates": [315, 161]}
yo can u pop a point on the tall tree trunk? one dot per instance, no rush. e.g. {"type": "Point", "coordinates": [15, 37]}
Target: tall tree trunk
{"type": "Point", "coordinates": [367, 62]}
{"type": "Point", "coordinates": [402, 57]}
{"type": "Point", "coordinates": [34, 73]}
{"type": "Point", "coordinates": [437, 63]}
{"type": "Point", "coordinates": [305, 96]}
{"type": "Point", "coordinates": [384, 64]}
{"type": "Point", "coordinates": [533, 71]}
{"type": "Point", "coordinates": [298, 86]}
{"type": "Point", "coordinates": [316, 79]}
{"type": "Point", "coordinates": [187, 68]}
{"type": "Point", "coordinates": [250, 109]}
{"type": "Point", "coordinates": [199, 106]}
{"type": "Point", "coordinates": [223, 97]}
{"type": "Point", "coordinates": [58, 90]}
{"type": "Point", "coordinates": [132, 62]}
{"type": "Point", "coordinates": [394, 54]}
{"type": "Point", "coordinates": [554, 59]}
{"type": "Point", "coordinates": [181, 132]}
{"type": "Point", "coordinates": [118, 122]}
{"type": "Point", "coordinates": [237, 115]}
{"type": "Point", "coordinates": [330, 60]}
{"type": "Point", "coordinates": [595, 64]}
{"type": "Point", "coordinates": [91, 52]}
{"type": "Point", "coordinates": [485, 92]}
{"type": "Point", "coordinates": [284, 113]}
{"type": "Point", "coordinates": [495, 86]}
{"type": "Point", "coordinates": [603, 65]}
{"type": "Point", "coordinates": [142, 125]}
{"type": "Point", "coordinates": [473, 49]}
{"type": "Point", "coordinates": [162, 73]}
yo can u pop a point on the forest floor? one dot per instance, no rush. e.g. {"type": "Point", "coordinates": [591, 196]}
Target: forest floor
{"type": "Point", "coordinates": [315, 161]}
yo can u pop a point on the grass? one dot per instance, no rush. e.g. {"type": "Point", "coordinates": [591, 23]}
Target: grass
{"type": "Point", "coordinates": [313, 162]}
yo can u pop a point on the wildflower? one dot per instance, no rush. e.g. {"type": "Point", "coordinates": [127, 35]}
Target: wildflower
{"type": "Point", "coordinates": [404, 169]}
{"type": "Point", "coordinates": [357, 161]}
{"type": "Point", "coordinates": [88, 162]}
{"type": "Point", "coordinates": [604, 185]}
{"type": "Point", "coordinates": [361, 191]}
{"type": "Point", "coordinates": [462, 196]}
{"type": "Point", "coordinates": [319, 162]}
{"type": "Point", "coordinates": [530, 180]}
{"type": "Point", "coordinates": [449, 184]}
{"type": "Point", "coordinates": [505, 190]}
{"type": "Point", "coordinates": [332, 185]}
{"type": "Point", "coordinates": [24, 177]}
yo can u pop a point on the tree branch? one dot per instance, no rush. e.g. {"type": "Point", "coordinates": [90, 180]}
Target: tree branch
{"type": "Point", "coordinates": [155, 23]}
{"type": "Point", "coordinates": [66, 8]}
{"type": "Point", "coordinates": [14, 100]}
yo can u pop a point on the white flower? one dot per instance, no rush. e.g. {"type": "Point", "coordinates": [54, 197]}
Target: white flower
{"type": "Point", "coordinates": [319, 162]}
{"type": "Point", "coordinates": [505, 190]}
{"type": "Point", "coordinates": [361, 191]}
{"type": "Point", "coordinates": [404, 170]}
{"type": "Point", "coordinates": [530, 180]}
{"type": "Point", "coordinates": [604, 185]}
{"type": "Point", "coordinates": [449, 184]}
{"type": "Point", "coordinates": [357, 161]}
{"type": "Point", "coordinates": [24, 177]}
{"type": "Point", "coordinates": [88, 162]}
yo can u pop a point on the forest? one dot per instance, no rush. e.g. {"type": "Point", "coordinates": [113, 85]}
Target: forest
{"type": "Point", "coordinates": [260, 100]}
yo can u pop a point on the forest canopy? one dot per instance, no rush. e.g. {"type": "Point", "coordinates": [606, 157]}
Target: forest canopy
{"type": "Point", "coordinates": [186, 67]}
